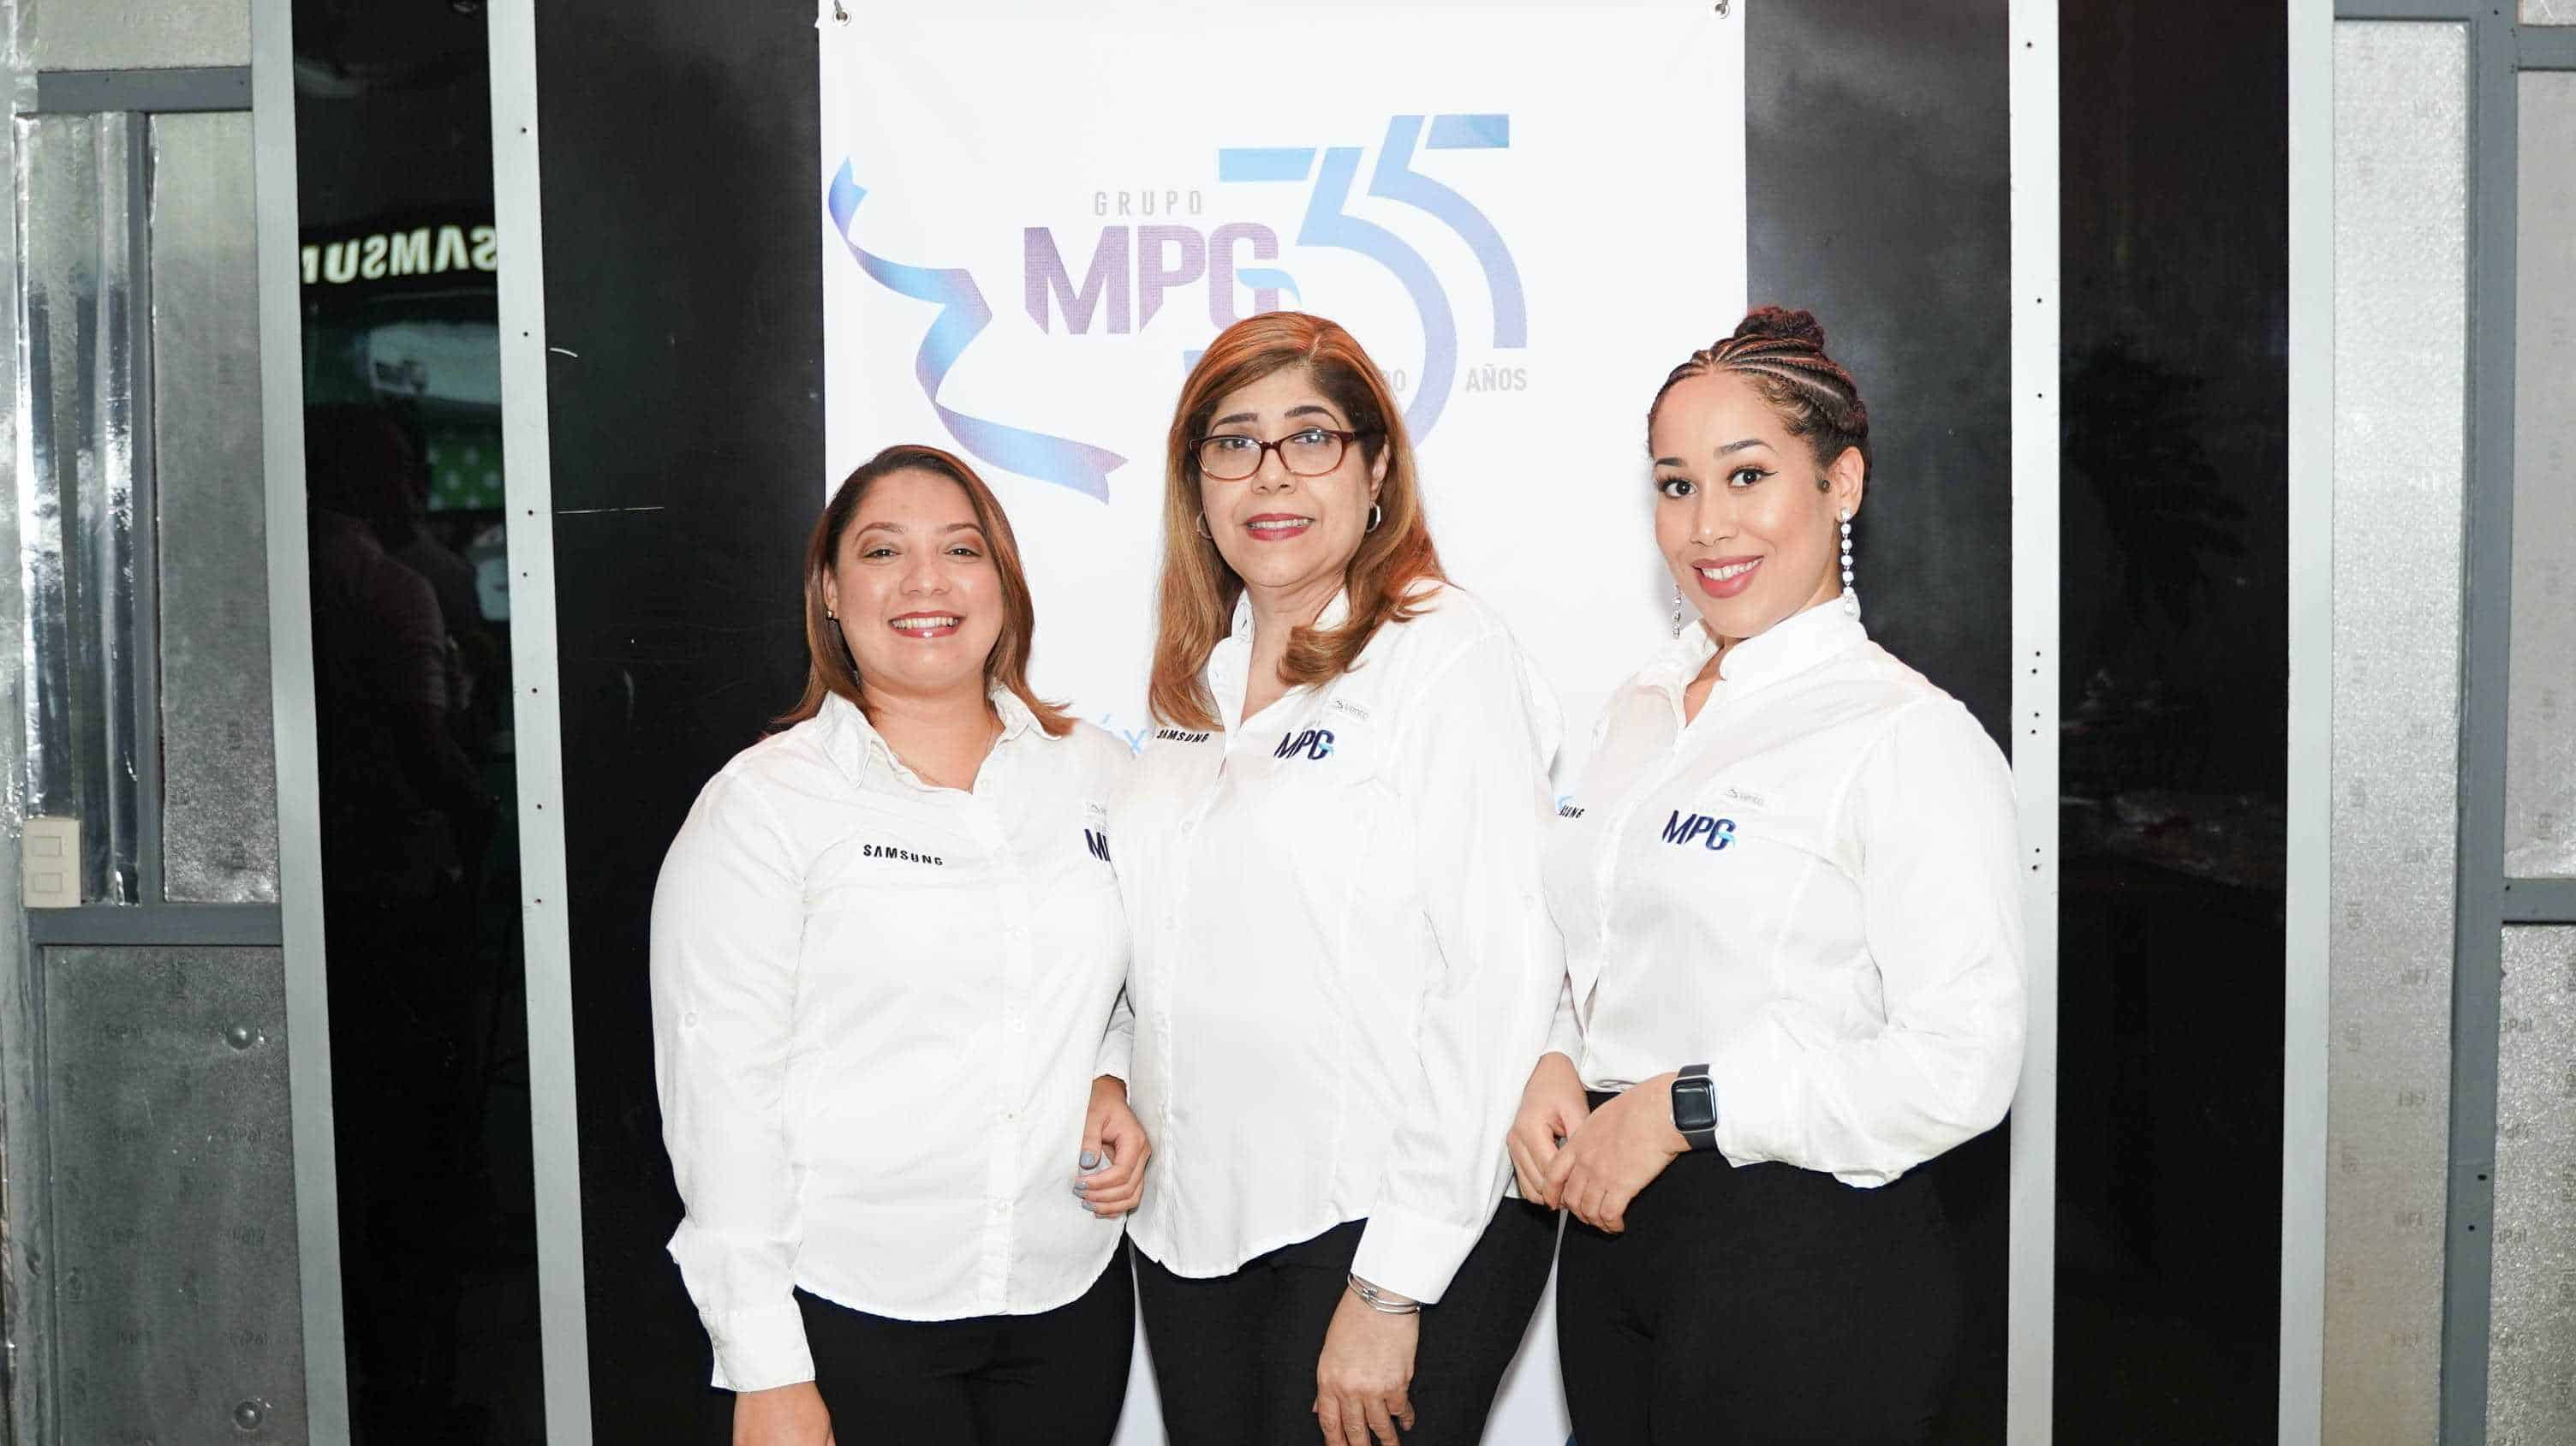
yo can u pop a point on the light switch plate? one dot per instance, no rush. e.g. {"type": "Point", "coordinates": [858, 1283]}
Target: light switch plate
{"type": "Point", "coordinates": [49, 860]}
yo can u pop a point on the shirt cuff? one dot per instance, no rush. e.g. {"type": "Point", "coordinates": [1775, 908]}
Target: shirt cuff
{"type": "Point", "coordinates": [758, 1349]}
{"type": "Point", "coordinates": [1564, 1030]}
{"type": "Point", "coordinates": [1565, 1037]}
{"type": "Point", "coordinates": [1117, 1055]}
{"type": "Point", "coordinates": [1748, 1109]}
{"type": "Point", "coordinates": [1413, 1255]}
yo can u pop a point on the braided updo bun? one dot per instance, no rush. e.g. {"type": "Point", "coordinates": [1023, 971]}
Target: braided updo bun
{"type": "Point", "coordinates": [1778, 323]}
{"type": "Point", "coordinates": [1781, 353]}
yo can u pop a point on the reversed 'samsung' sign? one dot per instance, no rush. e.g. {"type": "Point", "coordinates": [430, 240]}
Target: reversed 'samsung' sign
{"type": "Point", "coordinates": [454, 249]}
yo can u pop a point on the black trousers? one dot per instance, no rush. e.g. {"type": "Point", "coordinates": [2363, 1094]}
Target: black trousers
{"type": "Point", "coordinates": [1234, 1356]}
{"type": "Point", "coordinates": [994, 1380]}
{"type": "Point", "coordinates": [1766, 1304]}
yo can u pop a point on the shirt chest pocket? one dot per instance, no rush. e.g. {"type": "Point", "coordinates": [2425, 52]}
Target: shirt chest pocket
{"type": "Point", "coordinates": [894, 973]}
{"type": "Point", "coordinates": [1319, 793]}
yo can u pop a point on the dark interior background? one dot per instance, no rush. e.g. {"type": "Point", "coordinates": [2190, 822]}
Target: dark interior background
{"type": "Point", "coordinates": [2174, 606]}
{"type": "Point", "coordinates": [684, 272]}
{"type": "Point", "coordinates": [684, 266]}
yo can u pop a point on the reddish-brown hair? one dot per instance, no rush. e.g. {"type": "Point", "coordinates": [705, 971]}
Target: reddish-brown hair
{"type": "Point", "coordinates": [831, 668]}
{"type": "Point", "coordinates": [1782, 354]}
{"type": "Point", "coordinates": [1198, 593]}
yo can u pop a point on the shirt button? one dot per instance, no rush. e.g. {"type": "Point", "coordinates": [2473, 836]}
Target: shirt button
{"type": "Point", "coordinates": [1019, 1026]}
{"type": "Point", "coordinates": [1010, 1117]}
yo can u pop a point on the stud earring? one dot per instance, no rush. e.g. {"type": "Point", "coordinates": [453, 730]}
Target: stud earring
{"type": "Point", "coordinates": [1851, 600]}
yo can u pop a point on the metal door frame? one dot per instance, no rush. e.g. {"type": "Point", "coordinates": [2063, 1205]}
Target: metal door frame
{"type": "Point", "coordinates": [2488, 899]}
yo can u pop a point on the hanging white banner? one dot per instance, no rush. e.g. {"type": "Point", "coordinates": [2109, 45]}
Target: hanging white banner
{"type": "Point", "coordinates": [1035, 217]}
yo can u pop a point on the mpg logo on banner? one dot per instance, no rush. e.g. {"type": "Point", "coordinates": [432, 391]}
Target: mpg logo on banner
{"type": "Point", "coordinates": [1191, 252]}
{"type": "Point", "coordinates": [1036, 217]}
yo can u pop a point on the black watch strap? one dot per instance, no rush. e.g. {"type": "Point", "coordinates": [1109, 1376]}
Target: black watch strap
{"type": "Point", "coordinates": [1695, 1107]}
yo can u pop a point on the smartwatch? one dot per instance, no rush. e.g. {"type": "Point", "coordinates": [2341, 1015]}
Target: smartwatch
{"type": "Point", "coordinates": [1695, 1107]}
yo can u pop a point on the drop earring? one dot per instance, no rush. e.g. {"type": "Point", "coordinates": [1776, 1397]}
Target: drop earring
{"type": "Point", "coordinates": [1851, 600]}
{"type": "Point", "coordinates": [1677, 612]}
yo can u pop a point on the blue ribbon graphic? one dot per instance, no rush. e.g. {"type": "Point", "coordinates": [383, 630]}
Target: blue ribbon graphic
{"type": "Point", "coordinates": [962, 317]}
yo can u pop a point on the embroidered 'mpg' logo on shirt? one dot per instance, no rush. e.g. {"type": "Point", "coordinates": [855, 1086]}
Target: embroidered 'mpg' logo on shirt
{"type": "Point", "coordinates": [1714, 834]}
{"type": "Point", "coordinates": [1314, 743]}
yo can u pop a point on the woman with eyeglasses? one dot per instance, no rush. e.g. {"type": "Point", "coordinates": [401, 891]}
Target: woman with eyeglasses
{"type": "Point", "coordinates": [1343, 962]}
{"type": "Point", "coordinates": [1794, 956]}
{"type": "Point", "coordinates": [887, 955]}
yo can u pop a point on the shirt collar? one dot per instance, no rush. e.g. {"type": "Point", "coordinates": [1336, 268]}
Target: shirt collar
{"type": "Point", "coordinates": [1017, 720]}
{"type": "Point", "coordinates": [855, 743]}
{"type": "Point", "coordinates": [1228, 661]}
{"type": "Point", "coordinates": [1791, 645]}
{"type": "Point", "coordinates": [1335, 613]}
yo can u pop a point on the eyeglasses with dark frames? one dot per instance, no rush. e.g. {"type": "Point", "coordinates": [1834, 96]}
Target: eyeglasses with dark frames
{"type": "Point", "coordinates": [1306, 452]}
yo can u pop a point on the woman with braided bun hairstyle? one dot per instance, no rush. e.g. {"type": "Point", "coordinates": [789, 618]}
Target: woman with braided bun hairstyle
{"type": "Point", "coordinates": [1786, 883]}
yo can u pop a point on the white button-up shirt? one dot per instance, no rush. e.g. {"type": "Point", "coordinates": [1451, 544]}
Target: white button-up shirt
{"type": "Point", "coordinates": [878, 1007]}
{"type": "Point", "coordinates": [1344, 964]}
{"type": "Point", "coordinates": [1811, 887]}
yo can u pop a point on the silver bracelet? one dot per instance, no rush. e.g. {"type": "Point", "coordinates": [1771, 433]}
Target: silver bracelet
{"type": "Point", "coordinates": [1381, 1302]}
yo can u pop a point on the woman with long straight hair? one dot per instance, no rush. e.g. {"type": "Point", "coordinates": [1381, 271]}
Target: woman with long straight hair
{"type": "Point", "coordinates": [1793, 952]}
{"type": "Point", "coordinates": [887, 956]}
{"type": "Point", "coordinates": [1343, 963]}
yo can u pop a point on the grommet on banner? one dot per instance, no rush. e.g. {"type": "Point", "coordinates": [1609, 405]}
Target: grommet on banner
{"type": "Point", "coordinates": [839, 15]}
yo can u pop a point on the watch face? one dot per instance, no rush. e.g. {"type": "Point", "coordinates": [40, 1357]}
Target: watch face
{"type": "Point", "coordinates": [1694, 1105]}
